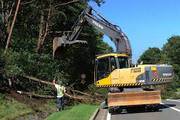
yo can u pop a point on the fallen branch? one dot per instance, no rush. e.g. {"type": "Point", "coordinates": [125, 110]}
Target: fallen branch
{"type": "Point", "coordinates": [83, 96]}
{"type": "Point", "coordinates": [49, 83]}
{"type": "Point", "coordinates": [97, 94]}
{"type": "Point", "coordinates": [37, 80]}
{"type": "Point", "coordinates": [35, 95]}
{"type": "Point", "coordinates": [81, 92]}
{"type": "Point", "coordinates": [63, 4]}
{"type": "Point", "coordinates": [29, 2]}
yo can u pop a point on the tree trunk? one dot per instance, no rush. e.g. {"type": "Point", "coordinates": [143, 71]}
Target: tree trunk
{"type": "Point", "coordinates": [40, 31]}
{"type": "Point", "coordinates": [43, 30]}
{"type": "Point", "coordinates": [12, 26]}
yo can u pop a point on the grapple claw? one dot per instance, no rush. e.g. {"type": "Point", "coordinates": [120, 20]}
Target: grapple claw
{"type": "Point", "coordinates": [60, 42]}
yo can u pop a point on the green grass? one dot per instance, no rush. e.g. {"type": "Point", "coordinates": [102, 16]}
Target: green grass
{"type": "Point", "coordinates": [11, 109]}
{"type": "Point", "coordinates": [78, 112]}
{"type": "Point", "coordinates": [178, 89]}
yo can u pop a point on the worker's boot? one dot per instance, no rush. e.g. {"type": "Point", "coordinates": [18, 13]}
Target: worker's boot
{"type": "Point", "coordinates": [61, 108]}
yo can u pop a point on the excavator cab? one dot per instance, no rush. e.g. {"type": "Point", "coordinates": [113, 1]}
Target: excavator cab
{"type": "Point", "coordinates": [107, 63]}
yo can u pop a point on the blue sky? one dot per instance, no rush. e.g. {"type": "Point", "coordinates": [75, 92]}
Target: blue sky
{"type": "Point", "coordinates": [147, 23]}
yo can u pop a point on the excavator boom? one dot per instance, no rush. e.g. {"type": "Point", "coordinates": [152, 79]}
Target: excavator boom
{"type": "Point", "coordinates": [100, 23]}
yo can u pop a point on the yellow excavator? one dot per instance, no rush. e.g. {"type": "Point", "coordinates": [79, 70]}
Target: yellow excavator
{"type": "Point", "coordinates": [127, 85]}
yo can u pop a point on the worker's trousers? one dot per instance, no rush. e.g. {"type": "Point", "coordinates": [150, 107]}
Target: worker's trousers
{"type": "Point", "coordinates": [60, 103]}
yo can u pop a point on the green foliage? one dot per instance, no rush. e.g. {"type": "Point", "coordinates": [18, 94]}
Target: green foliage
{"type": "Point", "coordinates": [21, 59]}
{"type": "Point", "coordinates": [25, 63]}
{"type": "Point", "coordinates": [11, 69]}
{"type": "Point", "coordinates": [94, 89]}
{"type": "Point", "coordinates": [172, 52]}
{"type": "Point", "coordinates": [81, 111]}
{"type": "Point", "coordinates": [151, 56]}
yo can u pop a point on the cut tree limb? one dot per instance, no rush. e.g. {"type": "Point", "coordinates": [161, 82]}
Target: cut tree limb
{"type": "Point", "coordinates": [37, 80]}
{"type": "Point", "coordinates": [28, 2]}
{"type": "Point", "coordinates": [82, 97]}
{"type": "Point", "coordinates": [83, 93]}
{"type": "Point", "coordinates": [35, 95]}
{"type": "Point", "coordinates": [70, 2]}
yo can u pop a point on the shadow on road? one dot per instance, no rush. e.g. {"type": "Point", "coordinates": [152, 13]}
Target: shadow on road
{"type": "Point", "coordinates": [141, 109]}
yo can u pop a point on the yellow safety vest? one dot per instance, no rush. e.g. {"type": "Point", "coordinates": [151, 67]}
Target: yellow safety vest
{"type": "Point", "coordinates": [60, 90]}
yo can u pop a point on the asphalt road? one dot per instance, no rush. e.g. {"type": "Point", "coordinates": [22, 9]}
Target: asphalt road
{"type": "Point", "coordinates": [169, 110]}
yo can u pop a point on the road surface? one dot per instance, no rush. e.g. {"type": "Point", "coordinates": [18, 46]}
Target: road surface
{"type": "Point", "coordinates": [169, 110]}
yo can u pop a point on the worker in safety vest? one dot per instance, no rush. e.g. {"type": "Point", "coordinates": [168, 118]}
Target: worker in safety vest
{"type": "Point", "coordinates": [60, 95]}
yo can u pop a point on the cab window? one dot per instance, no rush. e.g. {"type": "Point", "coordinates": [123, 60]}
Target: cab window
{"type": "Point", "coordinates": [123, 62]}
{"type": "Point", "coordinates": [113, 63]}
{"type": "Point", "coordinates": [103, 68]}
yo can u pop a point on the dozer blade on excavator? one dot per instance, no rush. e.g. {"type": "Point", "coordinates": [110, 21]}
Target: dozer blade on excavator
{"type": "Point", "coordinates": [134, 98]}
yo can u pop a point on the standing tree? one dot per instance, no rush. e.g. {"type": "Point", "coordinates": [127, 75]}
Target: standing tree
{"type": "Point", "coordinates": [12, 26]}
{"type": "Point", "coordinates": [151, 56]}
{"type": "Point", "coordinates": [171, 52]}
{"type": "Point", "coordinates": [6, 13]}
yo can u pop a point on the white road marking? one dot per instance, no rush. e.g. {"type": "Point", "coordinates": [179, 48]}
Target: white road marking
{"type": "Point", "coordinates": [173, 100]}
{"type": "Point", "coordinates": [108, 116]}
{"type": "Point", "coordinates": [178, 110]}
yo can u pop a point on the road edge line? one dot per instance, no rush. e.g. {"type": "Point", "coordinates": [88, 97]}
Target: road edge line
{"type": "Point", "coordinates": [108, 116]}
{"type": "Point", "coordinates": [94, 114]}
{"type": "Point", "coordinates": [173, 100]}
{"type": "Point", "coordinates": [173, 108]}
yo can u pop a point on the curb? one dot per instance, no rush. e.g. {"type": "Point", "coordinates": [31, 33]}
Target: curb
{"type": "Point", "coordinates": [94, 114]}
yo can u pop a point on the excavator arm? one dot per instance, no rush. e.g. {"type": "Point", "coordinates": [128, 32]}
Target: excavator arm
{"type": "Point", "coordinates": [101, 24]}
{"type": "Point", "coordinates": [113, 31]}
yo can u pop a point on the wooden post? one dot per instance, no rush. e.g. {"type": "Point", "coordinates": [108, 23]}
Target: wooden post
{"type": "Point", "coordinates": [12, 26]}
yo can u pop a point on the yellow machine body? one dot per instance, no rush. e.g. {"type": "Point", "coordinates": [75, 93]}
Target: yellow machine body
{"type": "Point", "coordinates": [121, 77]}
{"type": "Point", "coordinates": [130, 76]}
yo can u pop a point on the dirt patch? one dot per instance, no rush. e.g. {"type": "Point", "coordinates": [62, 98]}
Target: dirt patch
{"type": "Point", "coordinates": [31, 102]}
{"type": "Point", "coordinates": [41, 108]}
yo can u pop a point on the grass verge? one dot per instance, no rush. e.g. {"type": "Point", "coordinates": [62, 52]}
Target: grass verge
{"type": "Point", "coordinates": [10, 109]}
{"type": "Point", "coordinates": [78, 112]}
